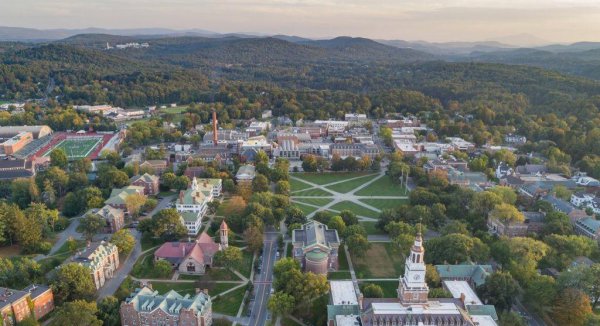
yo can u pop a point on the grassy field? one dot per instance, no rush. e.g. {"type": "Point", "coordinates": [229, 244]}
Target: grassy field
{"type": "Point", "coordinates": [382, 187]}
{"type": "Point", "coordinates": [144, 268]}
{"type": "Point", "coordinates": [298, 185]}
{"type": "Point", "coordinates": [213, 274]}
{"type": "Point", "coordinates": [350, 185]}
{"type": "Point", "coordinates": [305, 208]}
{"type": "Point", "coordinates": [318, 201]}
{"type": "Point", "coordinates": [370, 228]}
{"type": "Point", "coordinates": [312, 193]}
{"type": "Point", "coordinates": [246, 265]}
{"type": "Point", "coordinates": [325, 178]}
{"type": "Point", "coordinates": [190, 287]}
{"type": "Point", "coordinates": [339, 275]}
{"type": "Point", "coordinates": [342, 259]}
{"type": "Point", "coordinates": [385, 203]}
{"type": "Point", "coordinates": [76, 148]}
{"type": "Point", "coordinates": [229, 304]}
{"type": "Point", "coordinates": [358, 210]}
{"type": "Point", "coordinates": [379, 262]}
{"type": "Point", "coordinates": [389, 287]}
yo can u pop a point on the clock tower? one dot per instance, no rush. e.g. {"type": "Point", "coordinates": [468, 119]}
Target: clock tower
{"type": "Point", "coordinates": [413, 288]}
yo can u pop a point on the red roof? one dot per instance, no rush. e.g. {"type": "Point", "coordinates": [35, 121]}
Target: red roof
{"type": "Point", "coordinates": [224, 226]}
{"type": "Point", "coordinates": [174, 250]}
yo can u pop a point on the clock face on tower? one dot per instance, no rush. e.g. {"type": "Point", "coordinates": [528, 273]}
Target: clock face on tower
{"type": "Point", "coordinates": [416, 277]}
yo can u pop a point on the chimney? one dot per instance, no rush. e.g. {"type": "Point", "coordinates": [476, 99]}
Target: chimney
{"type": "Point", "coordinates": [197, 290]}
{"type": "Point", "coordinates": [205, 291]}
{"type": "Point", "coordinates": [462, 298]}
{"type": "Point", "coordinates": [360, 301]}
{"type": "Point", "coordinates": [214, 121]}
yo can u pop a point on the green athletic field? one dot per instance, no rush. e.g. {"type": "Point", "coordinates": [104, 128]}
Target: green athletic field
{"type": "Point", "coordinates": [76, 147]}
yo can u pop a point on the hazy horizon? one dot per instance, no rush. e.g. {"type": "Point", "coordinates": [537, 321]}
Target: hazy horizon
{"type": "Point", "coordinates": [554, 21]}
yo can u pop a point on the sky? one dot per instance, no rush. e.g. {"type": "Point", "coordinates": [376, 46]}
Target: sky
{"type": "Point", "coordinates": [436, 21]}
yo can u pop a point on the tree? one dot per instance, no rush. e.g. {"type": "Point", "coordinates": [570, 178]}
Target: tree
{"type": "Point", "coordinates": [254, 238]}
{"type": "Point", "coordinates": [571, 307]}
{"type": "Point", "coordinates": [563, 248]}
{"type": "Point", "coordinates": [108, 311]}
{"type": "Point", "coordinates": [337, 223]}
{"type": "Point", "coordinates": [455, 248]}
{"type": "Point", "coordinates": [557, 222]}
{"type": "Point", "coordinates": [73, 282]}
{"type": "Point", "coordinates": [163, 268]}
{"type": "Point", "coordinates": [585, 279]}
{"type": "Point", "coordinates": [500, 290]}
{"type": "Point", "coordinates": [540, 293]}
{"type": "Point", "coordinates": [282, 187]}
{"type": "Point", "coordinates": [168, 225]}
{"type": "Point", "coordinates": [124, 241]}
{"type": "Point", "coordinates": [30, 234]}
{"type": "Point", "coordinates": [485, 201]}
{"type": "Point", "coordinates": [230, 257]}
{"type": "Point", "coordinates": [90, 225]}
{"type": "Point", "coordinates": [372, 291]}
{"type": "Point", "coordinates": [78, 312]}
{"type": "Point", "coordinates": [168, 180]}
{"type": "Point", "coordinates": [508, 195]}
{"type": "Point", "coordinates": [23, 192]}
{"type": "Point", "coordinates": [181, 183]}
{"type": "Point", "coordinates": [349, 217]}
{"type": "Point", "coordinates": [235, 206]}
{"type": "Point", "coordinates": [260, 183]}
{"type": "Point", "coordinates": [309, 163]}
{"type": "Point", "coordinates": [133, 203]}
{"type": "Point", "coordinates": [507, 213]}
{"type": "Point", "coordinates": [509, 318]}
{"type": "Point", "coordinates": [281, 303]}
{"type": "Point", "coordinates": [58, 158]}
{"type": "Point", "coordinates": [523, 256]}
{"type": "Point", "coordinates": [358, 244]}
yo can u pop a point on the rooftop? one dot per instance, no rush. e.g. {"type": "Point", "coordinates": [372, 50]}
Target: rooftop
{"type": "Point", "coordinates": [343, 293]}
{"type": "Point", "coordinates": [459, 288]}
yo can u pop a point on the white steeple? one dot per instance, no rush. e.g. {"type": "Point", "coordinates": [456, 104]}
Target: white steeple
{"type": "Point", "coordinates": [412, 287]}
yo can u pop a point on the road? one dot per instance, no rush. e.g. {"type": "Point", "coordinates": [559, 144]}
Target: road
{"type": "Point", "coordinates": [262, 287]}
{"type": "Point", "coordinates": [69, 232]}
{"type": "Point", "coordinates": [531, 319]}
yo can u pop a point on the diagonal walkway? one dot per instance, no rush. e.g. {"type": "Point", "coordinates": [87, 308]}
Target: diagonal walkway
{"type": "Point", "coordinates": [339, 197]}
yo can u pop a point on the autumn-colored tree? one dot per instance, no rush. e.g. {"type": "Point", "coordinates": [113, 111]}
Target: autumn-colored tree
{"type": "Point", "coordinates": [134, 202]}
{"type": "Point", "coordinates": [571, 307]}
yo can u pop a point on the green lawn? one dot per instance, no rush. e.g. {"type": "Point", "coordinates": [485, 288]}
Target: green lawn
{"type": "Point", "coordinates": [342, 259]}
{"type": "Point", "coordinates": [305, 208]}
{"type": "Point", "coordinates": [76, 148]}
{"type": "Point", "coordinates": [385, 203]}
{"type": "Point", "coordinates": [246, 265]}
{"type": "Point", "coordinates": [379, 262]}
{"type": "Point", "coordinates": [144, 268]}
{"type": "Point", "coordinates": [288, 322]}
{"type": "Point", "coordinates": [340, 275]}
{"type": "Point", "coordinates": [382, 187]}
{"type": "Point", "coordinates": [356, 209]}
{"type": "Point", "coordinates": [389, 287]}
{"type": "Point", "coordinates": [229, 304]}
{"type": "Point", "coordinates": [325, 178]}
{"type": "Point", "coordinates": [149, 242]}
{"type": "Point", "coordinates": [298, 185]}
{"type": "Point", "coordinates": [190, 287]}
{"type": "Point", "coordinates": [288, 250]}
{"type": "Point", "coordinates": [178, 109]}
{"type": "Point", "coordinates": [350, 185]}
{"type": "Point", "coordinates": [370, 228]}
{"type": "Point", "coordinates": [213, 274]}
{"type": "Point", "coordinates": [315, 192]}
{"type": "Point", "coordinates": [314, 201]}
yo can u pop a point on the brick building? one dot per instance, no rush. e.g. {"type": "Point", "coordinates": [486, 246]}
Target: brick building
{"type": "Point", "coordinates": [149, 182]}
{"type": "Point", "coordinates": [316, 247]}
{"type": "Point", "coordinates": [14, 304]}
{"type": "Point", "coordinates": [101, 258]}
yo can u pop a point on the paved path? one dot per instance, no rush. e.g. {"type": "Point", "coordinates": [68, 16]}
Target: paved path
{"type": "Point", "coordinates": [69, 232]}
{"type": "Point", "coordinates": [378, 238]}
{"type": "Point", "coordinates": [339, 197]}
{"type": "Point", "coordinates": [351, 268]}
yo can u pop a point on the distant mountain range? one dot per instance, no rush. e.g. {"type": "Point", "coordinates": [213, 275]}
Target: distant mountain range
{"type": "Point", "coordinates": [201, 47]}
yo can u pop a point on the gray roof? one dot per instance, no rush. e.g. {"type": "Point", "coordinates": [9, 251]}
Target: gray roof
{"type": "Point", "coordinates": [315, 233]}
{"type": "Point", "coordinates": [8, 296]}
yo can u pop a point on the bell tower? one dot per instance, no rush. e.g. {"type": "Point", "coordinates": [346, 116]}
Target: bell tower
{"type": "Point", "coordinates": [412, 287]}
{"type": "Point", "coordinates": [224, 235]}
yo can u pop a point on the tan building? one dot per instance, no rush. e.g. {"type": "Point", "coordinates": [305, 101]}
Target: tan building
{"type": "Point", "coordinates": [149, 182]}
{"type": "Point", "coordinates": [316, 247]}
{"type": "Point", "coordinates": [158, 166]}
{"type": "Point", "coordinates": [101, 258]}
{"type": "Point", "coordinates": [115, 217]}
{"type": "Point", "coordinates": [147, 307]}
{"type": "Point", "coordinates": [37, 131]}
{"type": "Point", "coordinates": [191, 257]}
{"type": "Point", "coordinates": [17, 142]}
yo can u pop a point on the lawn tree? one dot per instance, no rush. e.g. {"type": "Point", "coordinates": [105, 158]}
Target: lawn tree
{"type": "Point", "coordinates": [358, 244]}
{"type": "Point", "coordinates": [78, 312]}
{"type": "Point", "coordinates": [540, 293]}
{"type": "Point", "coordinates": [73, 282]}
{"type": "Point", "coordinates": [349, 217]}
{"type": "Point", "coordinates": [163, 268]}
{"type": "Point", "coordinates": [455, 248]}
{"type": "Point", "coordinates": [309, 163]}
{"type": "Point", "coordinates": [168, 180]}
{"type": "Point", "coordinates": [260, 183]}
{"type": "Point", "coordinates": [372, 291]}
{"type": "Point", "coordinates": [282, 187]}
{"type": "Point", "coordinates": [253, 236]}
{"type": "Point", "coordinates": [585, 279]}
{"type": "Point", "coordinates": [500, 290]}
{"type": "Point", "coordinates": [337, 223]}
{"type": "Point", "coordinates": [571, 307]}
{"type": "Point", "coordinates": [124, 241]}
{"type": "Point", "coordinates": [230, 257]}
{"type": "Point", "coordinates": [167, 225]}
{"type": "Point", "coordinates": [58, 158]}
{"type": "Point", "coordinates": [281, 304]}
{"type": "Point", "coordinates": [134, 202]}
{"type": "Point", "coordinates": [90, 225]}
{"type": "Point", "coordinates": [108, 311]}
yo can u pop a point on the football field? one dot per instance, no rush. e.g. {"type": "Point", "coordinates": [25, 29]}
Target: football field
{"type": "Point", "coordinates": [76, 148]}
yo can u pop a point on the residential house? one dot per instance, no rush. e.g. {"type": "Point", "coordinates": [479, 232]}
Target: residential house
{"type": "Point", "coordinates": [101, 259]}
{"type": "Point", "coordinates": [194, 172]}
{"type": "Point", "coordinates": [588, 227]}
{"type": "Point", "coordinates": [118, 197]}
{"type": "Point", "coordinates": [587, 182]}
{"type": "Point", "coordinates": [158, 166]}
{"type": "Point", "coordinates": [532, 169]}
{"type": "Point", "coordinates": [515, 139]}
{"type": "Point", "coordinates": [503, 170]}
{"type": "Point", "coordinates": [581, 199]}
{"type": "Point", "coordinates": [190, 257]}
{"type": "Point", "coordinates": [475, 275]}
{"type": "Point", "coordinates": [16, 168]}
{"type": "Point", "coordinates": [533, 223]}
{"type": "Point", "coordinates": [115, 217]}
{"type": "Point", "coordinates": [316, 247]}
{"type": "Point", "coordinates": [147, 307]}
{"type": "Point", "coordinates": [150, 183]}
{"type": "Point", "coordinates": [565, 207]}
